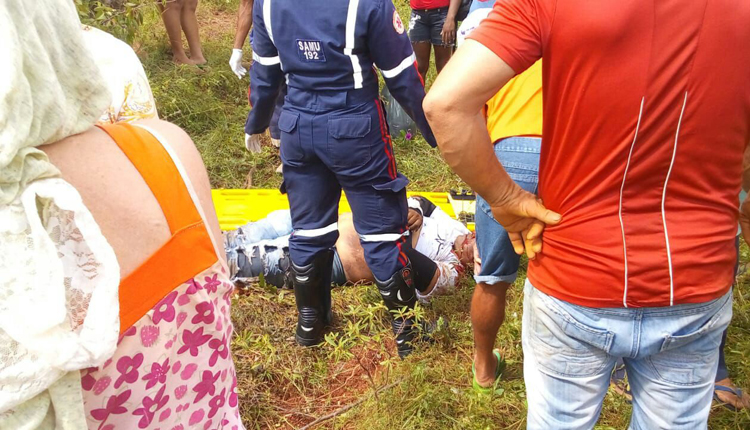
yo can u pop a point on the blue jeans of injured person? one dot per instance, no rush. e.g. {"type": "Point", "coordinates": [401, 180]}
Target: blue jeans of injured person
{"type": "Point", "coordinates": [520, 158]}
{"type": "Point", "coordinates": [267, 238]}
{"type": "Point", "coordinates": [670, 354]}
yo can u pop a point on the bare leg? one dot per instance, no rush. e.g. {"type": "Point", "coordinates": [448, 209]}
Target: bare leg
{"type": "Point", "coordinates": [189, 23]}
{"type": "Point", "coordinates": [170, 13]}
{"type": "Point", "coordinates": [422, 52]}
{"type": "Point", "coordinates": [442, 55]}
{"type": "Point", "coordinates": [487, 315]}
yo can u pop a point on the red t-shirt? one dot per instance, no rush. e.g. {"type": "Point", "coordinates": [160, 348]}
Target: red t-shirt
{"type": "Point", "coordinates": [429, 4]}
{"type": "Point", "coordinates": [646, 117]}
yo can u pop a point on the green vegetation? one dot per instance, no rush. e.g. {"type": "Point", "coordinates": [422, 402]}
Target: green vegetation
{"type": "Point", "coordinates": [287, 387]}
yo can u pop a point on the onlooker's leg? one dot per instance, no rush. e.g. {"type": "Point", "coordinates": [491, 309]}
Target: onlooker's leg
{"type": "Point", "coordinates": [487, 315]}
{"type": "Point", "coordinates": [171, 13]}
{"type": "Point", "coordinates": [419, 34]}
{"type": "Point", "coordinates": [443, 50]}
{"type": "Point", "coordinates": [189, 22]}
{"type": "Point", "coordinates": [672, 378]}
{"type": "Point", "coordinates": [442, 55]}
{"type": "Point", "coordinates": [725, 391]}
{"type": "Point", "coordinates": [499, 265]}
{"type": "Point", "coordinates": [567, 361]}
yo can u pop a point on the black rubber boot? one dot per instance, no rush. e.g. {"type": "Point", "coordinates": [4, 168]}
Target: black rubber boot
{"type": "Point", "coordinates": [399, 295]}
{"type": "Point", "coordinates": [312, 291]}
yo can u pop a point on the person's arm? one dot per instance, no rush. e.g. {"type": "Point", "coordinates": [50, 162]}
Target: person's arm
{"type": "Point", "coordinates": [448, 33]}
{"type": "Point", "coordinates": [244, 22]}
{"type": "Point", "coordinates": [507, 42]}
{"type": "Point", "coordinates": [392, 53]}
{"type": "Point", "coordinates": [266, 76]}
{"type": "Point", "coordinates": [453, 108]}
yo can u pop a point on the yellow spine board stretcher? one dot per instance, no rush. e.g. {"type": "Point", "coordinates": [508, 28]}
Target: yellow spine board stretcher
{"type": "Point", "coordinates": [238, 207]}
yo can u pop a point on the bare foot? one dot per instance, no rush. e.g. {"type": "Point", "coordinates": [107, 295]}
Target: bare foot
{"type": "Point", "coordinates": [198, 60]}
{"type": "Point", "coordinates": [182, 59]}
{"type": "Point", "coordinates": [730, 398]}
{"type": "Point", "coordinates": [485, 371]}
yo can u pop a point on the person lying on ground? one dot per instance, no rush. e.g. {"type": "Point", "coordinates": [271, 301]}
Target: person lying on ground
{"type": "Point", "coordinates": [446, 245]}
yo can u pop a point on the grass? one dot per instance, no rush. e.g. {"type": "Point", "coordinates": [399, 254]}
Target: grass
{"type": "Point", "coordinates": [283, 386]}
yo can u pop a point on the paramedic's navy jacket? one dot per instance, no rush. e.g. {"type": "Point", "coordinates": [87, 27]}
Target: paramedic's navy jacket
{"type": "Point", "coordinates": [331, 45]}
{"type": "Point", "coordinates": [334, 133]}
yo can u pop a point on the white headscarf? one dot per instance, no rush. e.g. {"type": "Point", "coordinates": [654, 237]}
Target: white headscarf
{"type": "Point", "coordinates": [58, 274]}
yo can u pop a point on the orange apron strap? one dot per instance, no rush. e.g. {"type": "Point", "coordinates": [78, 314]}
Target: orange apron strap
{"type": "Point", "coordinates": [187, 253]}
{"type": "Point", "coordinates": [158, 170]}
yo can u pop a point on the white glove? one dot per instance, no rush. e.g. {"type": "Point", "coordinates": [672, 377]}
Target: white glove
{"type": "Point", "coordinates": [252, 142]}
{"type": "Point", "coordinates": [235, 63]}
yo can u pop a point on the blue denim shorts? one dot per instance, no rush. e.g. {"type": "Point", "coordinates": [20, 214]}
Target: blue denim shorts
{"type": "Point", "coordinates": [520, 157]}
{"type": "Point", "coordinates": [426, 26]}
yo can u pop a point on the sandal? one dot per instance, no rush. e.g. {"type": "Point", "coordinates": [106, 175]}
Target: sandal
{"type": "Point", "coordinates": [736, 391]}
{"type": "Point", "coordinates": [498, 371]}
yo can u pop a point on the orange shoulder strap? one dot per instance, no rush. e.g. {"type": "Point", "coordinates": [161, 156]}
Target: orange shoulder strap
{"type": "Point", "coordinates": [158, 171]}
{"type": "Point", "coordinates": [187, 253]}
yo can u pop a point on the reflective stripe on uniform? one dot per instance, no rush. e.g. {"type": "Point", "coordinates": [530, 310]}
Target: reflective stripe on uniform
{"type": "Point", "coordinates": [351, 25]}
{"type": "Point", "coordinates": [266, 61]}
{"type": "Point", "coordinates": [316, 232]}
{"type": "Point", "coordinates": [385, 237]}
{"type": "Point", "coordinates": [392, 73]}
{"type": "Point", "coordinates": [267, 18]}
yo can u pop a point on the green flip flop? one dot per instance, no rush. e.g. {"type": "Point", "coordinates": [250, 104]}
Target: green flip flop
{"type": "Point", "coordinates": [498, 371]}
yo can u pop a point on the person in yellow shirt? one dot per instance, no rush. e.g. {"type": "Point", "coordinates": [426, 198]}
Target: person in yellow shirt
{"type": "Point", "coordinates": [514, 123]}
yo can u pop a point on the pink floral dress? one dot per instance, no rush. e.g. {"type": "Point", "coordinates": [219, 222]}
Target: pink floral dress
{"type": "Point", "coordinates": [172, 369]}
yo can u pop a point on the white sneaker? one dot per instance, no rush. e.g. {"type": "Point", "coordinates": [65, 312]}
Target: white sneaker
{"type": "Point", "coordinates": [280, 168]}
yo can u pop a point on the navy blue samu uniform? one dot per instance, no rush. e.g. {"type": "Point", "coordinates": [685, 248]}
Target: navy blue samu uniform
{"type": "Point", "coordinates": [333, 127]}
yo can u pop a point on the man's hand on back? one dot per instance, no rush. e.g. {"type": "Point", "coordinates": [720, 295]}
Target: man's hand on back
{"type": "Point", "coordinates": [524, 217]}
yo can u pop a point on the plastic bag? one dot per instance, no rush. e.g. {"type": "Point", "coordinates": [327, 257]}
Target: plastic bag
{"type": "Point", "coordinates": [398, 119]}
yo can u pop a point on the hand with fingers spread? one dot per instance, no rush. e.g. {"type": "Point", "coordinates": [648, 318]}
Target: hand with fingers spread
{"type": "Point", "coordinates": [524, 217]}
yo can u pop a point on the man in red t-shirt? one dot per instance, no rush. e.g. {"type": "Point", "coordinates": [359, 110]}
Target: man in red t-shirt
{"type": "Point", "coordinates": [646, 119]}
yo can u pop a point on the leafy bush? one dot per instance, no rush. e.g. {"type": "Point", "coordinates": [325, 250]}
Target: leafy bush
{"type": "Point", "coordinates": [120, 18]}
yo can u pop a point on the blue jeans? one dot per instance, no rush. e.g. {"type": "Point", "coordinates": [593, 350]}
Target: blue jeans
{"type": "Point", "coordinates": [258, 248]}
{"type": "Point", "coordinates": [520, 158]}
{"type": "Point", "coordinates": [670, 354]}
